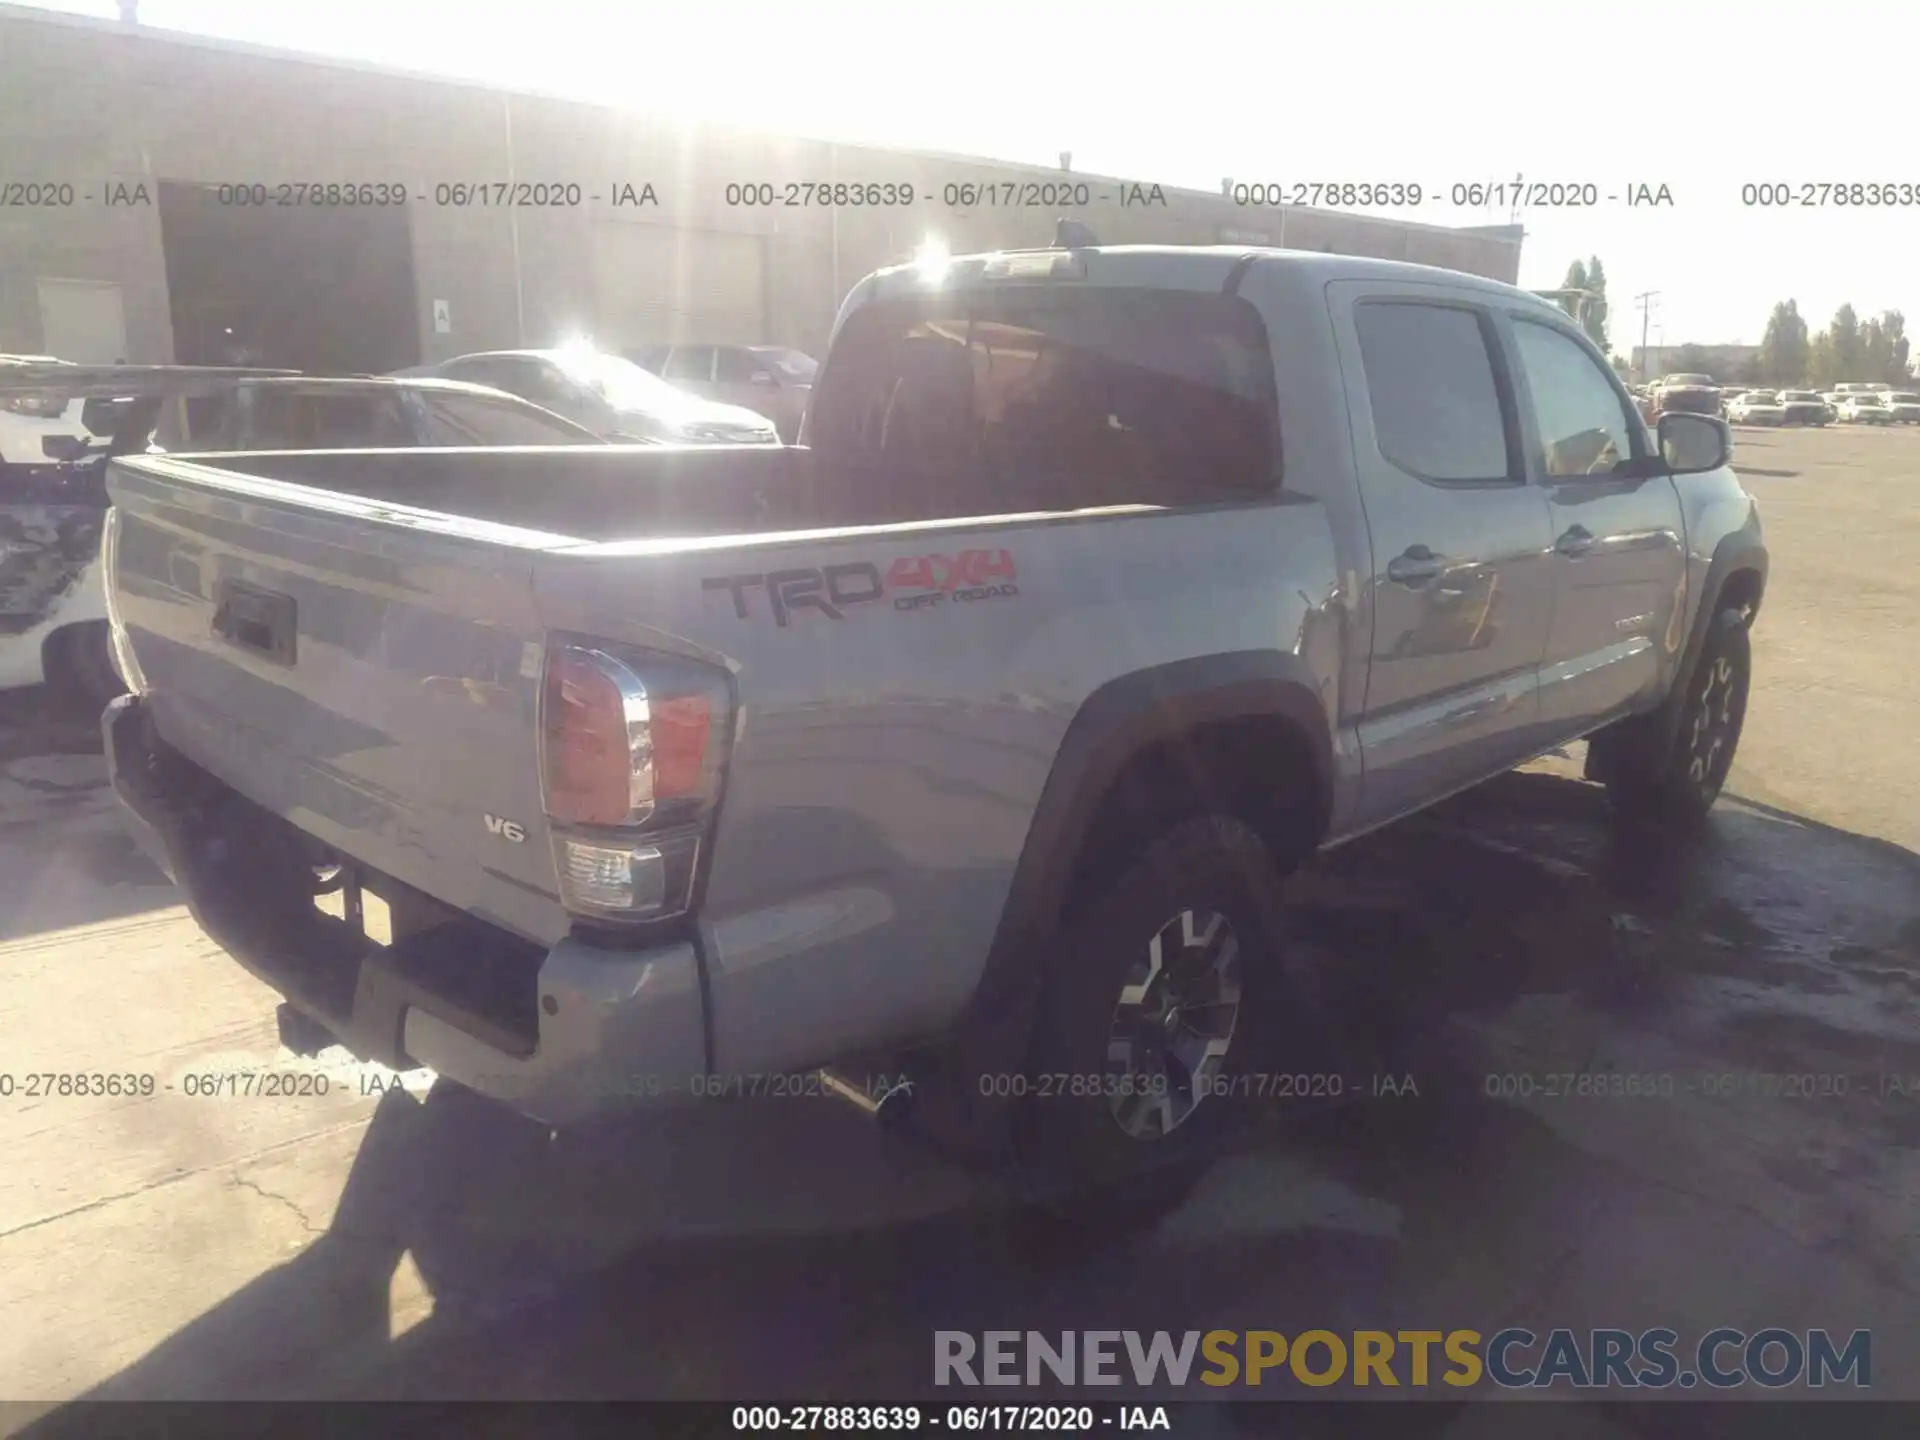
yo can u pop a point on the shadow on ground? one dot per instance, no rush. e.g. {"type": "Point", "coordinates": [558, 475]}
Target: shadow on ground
{"type": "Point", "coordinates": [65, 858]}
{"type": "Point", "coordinates": [785, 1249]}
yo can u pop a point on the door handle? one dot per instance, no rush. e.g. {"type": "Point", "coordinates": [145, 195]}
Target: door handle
{"type": "Point", "coordinates": [1577, 541]}
{"type": "Point", "coordinates": [1415, 565]}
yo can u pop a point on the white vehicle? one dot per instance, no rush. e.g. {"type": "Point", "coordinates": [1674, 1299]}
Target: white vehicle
{"type": "Point", "coordinates": [1864, 408]}
{"type": "Point", "coordinates": [43, 429]}
{"type": "Point", "coordinates": [1805, 407]}
{"type": "Point", "coordinates": [1756, 407]}
{"type": "Point", "coordinates": [53, 616]}
{"type": "Point", "coordinates": [1904, 406]}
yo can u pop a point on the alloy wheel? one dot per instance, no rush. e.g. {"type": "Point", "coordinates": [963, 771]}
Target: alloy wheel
{"type": "Point", "coordinates": [1173, 1024]}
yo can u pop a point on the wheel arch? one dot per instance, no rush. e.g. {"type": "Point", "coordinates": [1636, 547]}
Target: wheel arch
{"type": "Point", "coordinates": [1133, 720]}
{"type": "Point", "coordinates": [1736, 578]}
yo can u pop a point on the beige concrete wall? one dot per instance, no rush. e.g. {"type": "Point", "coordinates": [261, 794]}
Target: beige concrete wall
{"type": "Point", "coordinates": [90, 103]}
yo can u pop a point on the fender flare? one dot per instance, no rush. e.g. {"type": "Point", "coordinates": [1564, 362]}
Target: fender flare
{"type": "Point", "coordinates": [1737, 551]}
{"type": "Point", "coordinates": [1116, 723]}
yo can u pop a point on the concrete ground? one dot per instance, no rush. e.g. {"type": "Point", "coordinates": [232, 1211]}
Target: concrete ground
{"type": "Point", "coordinates": [366, 1243]}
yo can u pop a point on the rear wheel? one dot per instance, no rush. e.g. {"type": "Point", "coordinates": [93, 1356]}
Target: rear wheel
{"type": "Point", "coordinates": [1169, 985]}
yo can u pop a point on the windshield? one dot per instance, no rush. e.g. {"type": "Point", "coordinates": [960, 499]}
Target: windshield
{"type": "Point", "coordinates": [790, 363]}
{"type": "Point", "coordinates": [624, 384]}
{"type": "Point", "coordinates": [1904, 397]}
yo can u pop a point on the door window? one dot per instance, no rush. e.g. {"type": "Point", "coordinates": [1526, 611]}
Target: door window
{"type": "Point", "coordinates": [455, 419]}
{"type": "Point", "coordinates": [689, 362]}
{"type": "Point", "coordinates": [1581, 419]}
{"type": "Point", "coordinates": [1436, 404]}
{"type": "Point", "coordinates": [738, 367]}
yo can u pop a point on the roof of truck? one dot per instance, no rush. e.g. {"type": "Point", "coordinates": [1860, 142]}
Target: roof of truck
{"type": "Point", "coordinates": [1311, 265]}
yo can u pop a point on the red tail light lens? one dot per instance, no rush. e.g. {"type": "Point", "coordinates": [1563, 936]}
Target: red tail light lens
{"type": "Point", "coordinates": [590, 741]}
{"type": "Point", "coordinates": [630, 740]}
{"type": "Point", "coordinates": [681, 730]}
{"type": "Point", "coordinates": [631, 752]}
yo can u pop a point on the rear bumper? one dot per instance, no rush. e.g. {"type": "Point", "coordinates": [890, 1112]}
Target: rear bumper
{"type": "Point", "coordinates": [562, 1035]}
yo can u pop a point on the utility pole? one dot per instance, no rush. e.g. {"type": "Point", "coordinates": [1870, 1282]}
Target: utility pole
{"type": "Point", "coordinates": [1645, 300]}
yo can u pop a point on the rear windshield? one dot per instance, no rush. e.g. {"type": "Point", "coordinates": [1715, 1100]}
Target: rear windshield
{"type": "Point", "coordinates": [999, 399]}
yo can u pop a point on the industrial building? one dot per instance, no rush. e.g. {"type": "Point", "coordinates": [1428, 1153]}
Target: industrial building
{"type": "Point", "coordinates": [162, 187]}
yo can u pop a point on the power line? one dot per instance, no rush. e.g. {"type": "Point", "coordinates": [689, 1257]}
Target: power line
{"type": "Point", "coordinates": [1645, 301]}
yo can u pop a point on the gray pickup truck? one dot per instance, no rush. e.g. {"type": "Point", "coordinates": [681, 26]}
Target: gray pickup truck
{"type": "Point", "coordinates": [1105, 586]}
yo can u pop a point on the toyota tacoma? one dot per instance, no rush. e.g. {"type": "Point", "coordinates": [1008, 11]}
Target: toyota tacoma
{"type": "Point", "coordinates": [1105, 586]}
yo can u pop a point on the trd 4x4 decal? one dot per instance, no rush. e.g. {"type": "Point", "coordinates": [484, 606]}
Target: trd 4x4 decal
{"type": "Point", "coordinates": [917, 582]}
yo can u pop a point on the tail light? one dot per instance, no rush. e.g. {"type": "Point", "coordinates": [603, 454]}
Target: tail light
{"type": "Point", "coordinates": [44, 407]}
{"type": "Point", "coordinates": [632, 746]}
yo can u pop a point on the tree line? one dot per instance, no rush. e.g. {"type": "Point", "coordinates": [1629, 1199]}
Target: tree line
{"type": "Point", "coordinates": [1849, 349]}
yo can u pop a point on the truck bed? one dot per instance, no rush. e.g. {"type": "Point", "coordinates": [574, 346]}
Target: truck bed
{"type": "Point", "coordinates": [616, 492]}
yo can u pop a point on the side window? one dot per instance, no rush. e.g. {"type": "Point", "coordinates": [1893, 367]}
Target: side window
{"type": "Point", "coordinates": [689, 362]}
{"type": "Point", "coordinates": [269, 418]}
{"type": "Point", "coordinates": [738, 367]}
{"type": "Point", "coordinates": [1436, 405]}
{"type": "Point", "coordinates": [355, 422]}
{"type": "Point", "coordinates": [475, 420]}
{"type": "Point", "coordinates": [1583, 425]}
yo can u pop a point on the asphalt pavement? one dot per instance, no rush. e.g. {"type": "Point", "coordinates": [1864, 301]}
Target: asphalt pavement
{"type": "Point", "coordinates": [370, 1241]}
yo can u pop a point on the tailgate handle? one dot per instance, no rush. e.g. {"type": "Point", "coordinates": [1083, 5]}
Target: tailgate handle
{"type": "Point", "coordinates": [254, 619]}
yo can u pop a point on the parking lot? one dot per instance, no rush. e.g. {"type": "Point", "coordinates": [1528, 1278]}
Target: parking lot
{"type": "Point", "coordinates": [350, 1244]}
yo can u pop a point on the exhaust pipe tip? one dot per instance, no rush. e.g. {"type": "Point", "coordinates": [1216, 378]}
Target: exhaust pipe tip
{"type": "Point", "coordinates": [888, 1106]}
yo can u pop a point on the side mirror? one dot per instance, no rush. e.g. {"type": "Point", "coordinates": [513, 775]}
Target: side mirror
{"type": "Point", "coordinates": [1693, 444]}
{"type": "Point", "coordinates": [764, 380]}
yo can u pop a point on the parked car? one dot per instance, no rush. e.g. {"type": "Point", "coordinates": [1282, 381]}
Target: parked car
{"type": "Point", "coordinates": [1050, 672]}
{"type": "Point", "coordinates": [611, 396]}
{"type": "Point", "coordinates": [1756, 407]}
{"type": "Point", "coordinates": [1865, 408]}
{"type": "Point", "coordinates": [1688, 394]}
{"type": "Point", "coordinates": [1804, 407]}
{"type": "Point", "coordinates": [53, 621]}
{"type": "Point", "coordinates": [1903, 407]}
{"type": "Point", "coordinates": [318, 413]}
{"type": "Point", "coordinates": [770, 380]}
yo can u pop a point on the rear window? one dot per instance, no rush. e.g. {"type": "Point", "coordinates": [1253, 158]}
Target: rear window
{"type": "Point", "coordinates": [999, 399]}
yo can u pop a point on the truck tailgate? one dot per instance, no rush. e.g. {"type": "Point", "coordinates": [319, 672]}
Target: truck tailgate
{"type": "Point", "coordinates": [369, 672]}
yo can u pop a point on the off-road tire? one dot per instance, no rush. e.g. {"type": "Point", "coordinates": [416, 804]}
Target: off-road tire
{"type": "Point", "coordinates": [1075, 1159]}
{"type": "Point", "coordinates": [1679, 788]}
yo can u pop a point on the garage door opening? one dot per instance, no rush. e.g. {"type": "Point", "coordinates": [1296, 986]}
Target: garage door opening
{"type": "Point", "coordinates": [323, 289]}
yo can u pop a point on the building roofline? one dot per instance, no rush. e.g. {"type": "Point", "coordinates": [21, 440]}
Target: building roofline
{"type": "Point", "coordinates": [12, 12]}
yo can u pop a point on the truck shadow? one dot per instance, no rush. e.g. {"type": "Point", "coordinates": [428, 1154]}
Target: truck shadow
{"type": "Point", "coordinates": [65, 858]}
{"type": "Point", "coordinates": [787, 1250]}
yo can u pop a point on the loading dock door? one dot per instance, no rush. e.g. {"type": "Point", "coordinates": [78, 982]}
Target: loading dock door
{"type": "Point", "coordinates": [326, 289]}
{"type": "Point", "coordinates": [82, 321]}
{"type": "Point", "coordinates": [656, 285]}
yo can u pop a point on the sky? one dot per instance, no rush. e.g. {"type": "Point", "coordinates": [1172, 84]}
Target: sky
{"type": "Point", "coordinates": [1702, 99]}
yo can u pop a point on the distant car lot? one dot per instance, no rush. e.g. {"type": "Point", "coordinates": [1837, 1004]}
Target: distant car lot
{"type": "Point", "coordinates": [199, 1247]}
